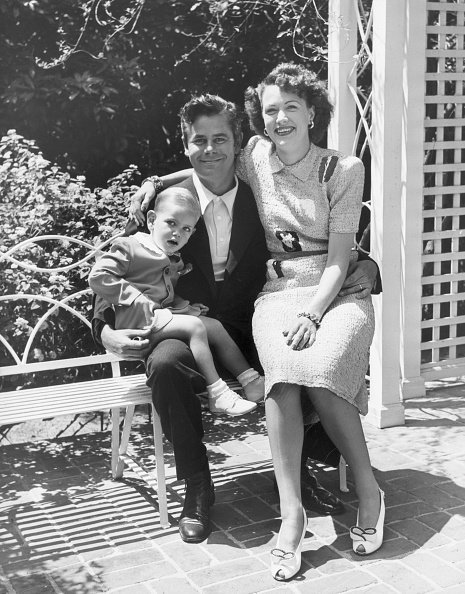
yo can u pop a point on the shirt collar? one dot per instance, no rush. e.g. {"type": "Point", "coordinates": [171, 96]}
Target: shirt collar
{"type": "Point", "coordinates": [205, 196]}
{"type": "Point", "coordinates": [302, 169]}
{"type": "Point", "coordinates": [146, 240]}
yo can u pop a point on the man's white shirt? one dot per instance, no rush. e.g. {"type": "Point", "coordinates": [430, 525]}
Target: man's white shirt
{"type": "Point", "coordinates": [217, 212]}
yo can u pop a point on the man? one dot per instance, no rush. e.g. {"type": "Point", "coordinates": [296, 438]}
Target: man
{"type": "Point", "coordinates": [228, 255]}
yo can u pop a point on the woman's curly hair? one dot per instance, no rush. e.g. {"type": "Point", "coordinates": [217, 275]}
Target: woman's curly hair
{"type": "Point", "coordinates": [292, 78]}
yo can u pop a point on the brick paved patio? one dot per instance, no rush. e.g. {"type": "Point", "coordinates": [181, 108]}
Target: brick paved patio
{"type": "Point", "coordinates": [65, 527]}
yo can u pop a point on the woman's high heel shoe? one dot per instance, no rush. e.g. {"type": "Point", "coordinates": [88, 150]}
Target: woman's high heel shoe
{"type": "Point", "coordinates": [285, 564]}
{"type": "Point", "coordinates": [368, 540]}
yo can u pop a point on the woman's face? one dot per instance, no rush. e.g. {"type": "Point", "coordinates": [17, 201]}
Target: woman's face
{"type": "Point", "coordinates": [286, 117]}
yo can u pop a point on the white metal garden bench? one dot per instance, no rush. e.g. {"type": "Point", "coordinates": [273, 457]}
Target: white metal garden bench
{"type": "Point", "coordinates": [112, 393]}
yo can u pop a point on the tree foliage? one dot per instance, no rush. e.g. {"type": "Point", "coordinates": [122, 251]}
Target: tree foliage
{"type": "Point", "coordinates": [98, 83]}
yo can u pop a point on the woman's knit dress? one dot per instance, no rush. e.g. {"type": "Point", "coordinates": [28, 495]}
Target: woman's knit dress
{"type": "Point", "coordinates": [299, 205]}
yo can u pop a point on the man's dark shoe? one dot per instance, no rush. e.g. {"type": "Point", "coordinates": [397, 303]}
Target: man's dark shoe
{"type": "Point", "coordinates": [315, 498]}
{"type": "Point", "coordinates": [194, 525]}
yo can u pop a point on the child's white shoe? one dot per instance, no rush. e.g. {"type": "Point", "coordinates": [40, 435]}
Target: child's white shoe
{"type": "Point", "coordinates": [230, 403]}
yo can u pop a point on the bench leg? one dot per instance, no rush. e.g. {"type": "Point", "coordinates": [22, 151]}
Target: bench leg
{"type": "Point", "coordinates": [161, 481]}
{"type": "Point", "coordinates": [120, 445]}
{"type": "Point", "coordinates": [119, 448]}
{"type": "Point", "coordinates": [343, 475]}
{"type": "Point", "coordinates": [114, 440]}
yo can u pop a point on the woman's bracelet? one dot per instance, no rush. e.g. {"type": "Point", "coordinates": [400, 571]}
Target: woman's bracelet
{"type": "Point", "coordinates": [310, 316]}
{"type": "Point", "coordinates": [156, 181]}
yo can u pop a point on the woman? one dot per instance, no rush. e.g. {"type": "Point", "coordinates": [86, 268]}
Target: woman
{"type": "Point", "coordinates": [310, 341]}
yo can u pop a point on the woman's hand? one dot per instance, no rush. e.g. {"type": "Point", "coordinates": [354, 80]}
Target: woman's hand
{"type": "Point", "coordinates": [140, 201]}
{"type": "Point", "coordinates": [301, 334]}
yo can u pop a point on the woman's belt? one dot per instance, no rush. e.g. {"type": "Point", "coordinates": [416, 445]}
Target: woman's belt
{"type": "Point", "coordinates": [292, 255]}
{"type": "Point", "coordinates": [278, 257]}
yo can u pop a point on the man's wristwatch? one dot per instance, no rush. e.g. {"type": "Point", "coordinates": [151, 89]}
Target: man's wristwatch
{"type": "Point", "coordinates": [156, 181]}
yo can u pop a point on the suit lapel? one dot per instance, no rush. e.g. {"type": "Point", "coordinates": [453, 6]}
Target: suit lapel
{"type": "Point", "coordinates": [243, 228]}
{"type": "Point", "coordinates": [197, 250]}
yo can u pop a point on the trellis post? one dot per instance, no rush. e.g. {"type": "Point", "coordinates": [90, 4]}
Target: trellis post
{"type": "Point", "coordinates": [413, 114]}
{"type": "Point", "coordinates": [342, 50]}
{"type": "Point", "coordinates": [386, 408]}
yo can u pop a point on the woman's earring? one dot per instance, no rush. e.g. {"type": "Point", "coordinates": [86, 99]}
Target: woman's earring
{"type": "Point", "coordinates": [265, 132]}
{"type": "Point", "coordinates": [311, 124]}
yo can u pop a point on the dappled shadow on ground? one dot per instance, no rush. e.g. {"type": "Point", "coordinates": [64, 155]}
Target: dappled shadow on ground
{"type": "Point", "coordinates": [60, 512]}
{"type": "Point", "coordinates": [63, 521]}
{"type": "Point", "coordinates": [82, 534]}
{"type": "Point", "coordinates": [75, 528]}
{"type": "Point", "coordinates": [423, 510]}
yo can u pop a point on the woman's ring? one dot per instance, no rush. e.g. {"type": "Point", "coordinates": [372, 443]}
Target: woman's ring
{"type": "Point", "coordinates": [361, 287]}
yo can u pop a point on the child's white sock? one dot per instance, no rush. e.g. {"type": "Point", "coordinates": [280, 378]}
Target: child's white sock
{"type": "Point", "coordinates": [223, 400]}
{"type": "Point", "coordinates": [253, 384]}
{"type": "Point", "coordinates": [217, 388]}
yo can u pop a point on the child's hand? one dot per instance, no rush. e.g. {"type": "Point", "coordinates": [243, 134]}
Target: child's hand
{"type": "Point", "coordinates": [203, 308]}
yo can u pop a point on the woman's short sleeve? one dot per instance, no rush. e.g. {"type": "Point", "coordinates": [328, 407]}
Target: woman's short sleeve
{"type": "Point", "coordinates": [345, 190]}
{"type": "Point", "coordinates": [244, 160]}
{"type": "Point", "coordinates": [241, 170]}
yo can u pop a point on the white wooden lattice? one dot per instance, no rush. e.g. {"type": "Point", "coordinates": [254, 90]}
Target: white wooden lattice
{"type": "Point", "coordinates": [443, 239]}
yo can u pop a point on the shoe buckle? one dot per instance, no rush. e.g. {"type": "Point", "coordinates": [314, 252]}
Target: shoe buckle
{"type": "Point", "coordinates": [358, 533]}
{"type": "Point", "coordinates": [282, 554]}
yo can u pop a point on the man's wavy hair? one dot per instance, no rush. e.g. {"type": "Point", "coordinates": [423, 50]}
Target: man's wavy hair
{"type": "Point", "coordinates": [211, 105]}
{"type": "Point", "coordinates": [292, 78]}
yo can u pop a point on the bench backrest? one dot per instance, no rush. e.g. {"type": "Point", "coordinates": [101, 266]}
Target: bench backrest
{"type": "Point", "coordinates": [27, 315]}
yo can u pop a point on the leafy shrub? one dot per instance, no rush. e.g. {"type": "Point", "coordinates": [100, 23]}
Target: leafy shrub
{"type": "Point", "coordinates": [37, 198]}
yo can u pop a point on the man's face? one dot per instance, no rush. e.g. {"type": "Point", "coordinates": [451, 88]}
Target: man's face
{"type": "Point", "coordinates": [210, 146]}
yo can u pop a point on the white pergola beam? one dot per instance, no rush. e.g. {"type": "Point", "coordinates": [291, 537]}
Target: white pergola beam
{"type": "Point", "coordinates": [342, 50]}
{"type": "Point", "coordinates": [386, 408]}
{"type": "Point", "coordinates": [413, 117]}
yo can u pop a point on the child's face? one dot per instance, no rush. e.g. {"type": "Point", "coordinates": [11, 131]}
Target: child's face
{"type": "Point", "coordinates": [171, 226]}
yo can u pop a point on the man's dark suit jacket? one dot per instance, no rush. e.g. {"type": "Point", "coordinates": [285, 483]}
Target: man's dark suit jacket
{"type": "Point", "coordinates": [231, 301]}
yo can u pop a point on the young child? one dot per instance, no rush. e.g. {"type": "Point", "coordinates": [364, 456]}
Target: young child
{"type": "Point", "coordinates": [138, 276]}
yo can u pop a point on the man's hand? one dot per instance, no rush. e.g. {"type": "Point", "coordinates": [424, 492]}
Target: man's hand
{"type": "Point", "coordinates": [360, 279]}
{"type": "Point", "coordinates": [133, 345]}
{"type": "Point", "coordinates": [140, 201]}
